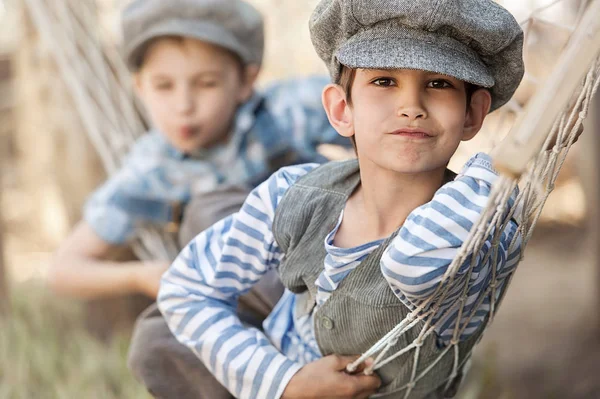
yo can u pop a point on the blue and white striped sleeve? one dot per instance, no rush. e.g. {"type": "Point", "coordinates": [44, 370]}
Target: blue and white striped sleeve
{"type": "Point", "coordinates": [425, 246]}
{"type": "Point", "coordinates": [198, 294]}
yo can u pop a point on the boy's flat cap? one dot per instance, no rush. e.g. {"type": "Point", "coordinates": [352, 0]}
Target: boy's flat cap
{"type": "Point", "coordinates": [232, 24]}
{"type": "Point", "coordinates": [476, 41]}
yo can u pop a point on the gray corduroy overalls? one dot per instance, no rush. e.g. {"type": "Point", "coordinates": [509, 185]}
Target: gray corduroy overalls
{"type": "Point", "coordinates": [363, 308]}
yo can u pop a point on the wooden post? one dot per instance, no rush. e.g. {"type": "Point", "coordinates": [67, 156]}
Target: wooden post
{"type": "Point", "coordinates": [3, 282]}
{"type": "Point", "coordinates": [593, 130]}
{"type": "Point", "coordinates": [588, 166]}
{"type": "Point", "coordinates": [6, 105]}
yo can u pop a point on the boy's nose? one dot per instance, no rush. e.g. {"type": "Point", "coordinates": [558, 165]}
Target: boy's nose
{"type": "Point", "coordinates": [410, 103]}
{"type": "Point", "coordinates": [412, 112]}
{"type": "Point", "coordinates": [185, 102]}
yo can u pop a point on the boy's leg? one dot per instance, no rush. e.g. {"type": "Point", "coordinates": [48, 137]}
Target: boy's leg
{"type": "Point", "coordinates": [206, 209]}
{"type": "Point", "coordinates": [167, 368]}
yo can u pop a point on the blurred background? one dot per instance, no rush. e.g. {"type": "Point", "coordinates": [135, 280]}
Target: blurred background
{"type": "Point", "coordinates": [544, 343]}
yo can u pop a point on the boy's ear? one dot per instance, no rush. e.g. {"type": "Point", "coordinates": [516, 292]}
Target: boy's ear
{"type": "Point", "coordinates": [249, 76]}
{"type": "Point", "coordinates": [338, 110]}
{"type": "Point", "coordinates": [137, 84]}
{"type": "Point", "coordinates": [477, 110]}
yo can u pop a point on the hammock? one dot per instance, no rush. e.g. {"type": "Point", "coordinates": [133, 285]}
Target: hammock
{"type": "Point", "coordinates": [98, 81]}
{"type": "Point", "coordinates": [95, 75]}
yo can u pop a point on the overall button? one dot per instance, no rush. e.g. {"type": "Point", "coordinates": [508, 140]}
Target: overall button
{"type": "Point", "coordinates": [327, 323]}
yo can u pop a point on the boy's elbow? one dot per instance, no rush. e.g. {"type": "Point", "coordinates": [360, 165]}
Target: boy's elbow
{"type": "Point", "coordinates": [58, 275]}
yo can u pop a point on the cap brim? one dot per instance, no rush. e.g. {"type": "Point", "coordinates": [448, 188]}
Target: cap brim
{"type": "Point", "coordinates": [206, 32]}
{"type": "Point", "coordinates": [368, 52]}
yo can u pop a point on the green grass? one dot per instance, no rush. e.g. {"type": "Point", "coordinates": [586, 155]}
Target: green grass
{"type": "Point", "coordinates": [45, 352]}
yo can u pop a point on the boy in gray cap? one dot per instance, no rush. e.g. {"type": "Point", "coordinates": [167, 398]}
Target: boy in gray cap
{"type": "Point", "coordinates": [213, 138]}
{"type": "Point", "coordinates": [360, 244]}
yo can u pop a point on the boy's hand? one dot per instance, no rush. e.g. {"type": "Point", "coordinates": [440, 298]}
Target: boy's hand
{"type": "Point", "coordinates": [146, 278]}
{"type": "Point", "coordinates": [327, 378]}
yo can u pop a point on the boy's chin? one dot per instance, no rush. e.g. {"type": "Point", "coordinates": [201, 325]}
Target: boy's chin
{"type": "Point", "coordinates": [412, 166]}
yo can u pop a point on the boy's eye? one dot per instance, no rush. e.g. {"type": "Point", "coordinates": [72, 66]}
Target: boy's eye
{"type": "Point", "coordinates": [163, 86]}
{"type": "Point", "coordinates": [439, 84]}
{"type": "Point", "coordinates": [383, 82]}
{"type": "Point", "coordinates": [206, 83]}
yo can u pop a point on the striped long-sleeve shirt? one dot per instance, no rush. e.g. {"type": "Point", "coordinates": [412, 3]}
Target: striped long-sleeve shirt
{"type": "Point", "coordinates": [199, 292]}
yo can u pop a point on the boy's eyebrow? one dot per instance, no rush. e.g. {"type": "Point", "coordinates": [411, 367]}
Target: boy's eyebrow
{"type": "Point", "coordinates": [209, 72]}
{"type": "Point", "coordinates": [162, 76]}
{"type": "Point", "coordinates": [401, 71]}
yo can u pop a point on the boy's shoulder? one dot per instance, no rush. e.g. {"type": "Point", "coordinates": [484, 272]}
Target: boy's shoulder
{"type": "Point", "coordinates": [291, 85]}
{"type": "Point", "coordinates": [335, 177]}
{"type": "Point", "coordinates": [295, 90]}
{"type": "Point", "coordinates": [151, 143]}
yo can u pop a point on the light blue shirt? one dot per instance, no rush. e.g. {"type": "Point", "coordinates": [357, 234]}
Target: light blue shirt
{"type": "Point", "coordinates": [284, 122]}
{"type": "Point", "coordinates": [198, 294]}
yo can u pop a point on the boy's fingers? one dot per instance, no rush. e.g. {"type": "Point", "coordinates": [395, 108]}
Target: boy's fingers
{"type": "Point", "coordinates": [340, 362]}
{"type": "Point", "coordinates": [361, 367]}
{"type": "Point", "coordinates": [367, 385]}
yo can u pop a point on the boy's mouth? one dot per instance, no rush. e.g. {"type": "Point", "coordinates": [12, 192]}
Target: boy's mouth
{"type": "Point", "coordinates": [412, 133]}
{"type": "Point", "coordinates": [188, 131]}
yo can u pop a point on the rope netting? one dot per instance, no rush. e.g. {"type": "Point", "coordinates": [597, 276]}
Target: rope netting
{"type": "Point", "coordinates": [531, 155]}
{"type": "Point", "coordinates": [530, 159]}
{"type": "Point", "coordinates": [98, 80]}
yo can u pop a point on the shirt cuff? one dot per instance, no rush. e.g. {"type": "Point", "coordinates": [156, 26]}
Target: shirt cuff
{"type": "Point", "coordinates": [292, 369]}
{"type": "Point", "coordinates": [109, 224]}
{"type": "Point", "coordinates": [480, 167]}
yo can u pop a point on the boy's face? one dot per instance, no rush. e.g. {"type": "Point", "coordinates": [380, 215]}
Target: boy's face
{"type": "Point", "coordinates": [409, 121]}
{"type": "Point", "coordinates": [191, 91]}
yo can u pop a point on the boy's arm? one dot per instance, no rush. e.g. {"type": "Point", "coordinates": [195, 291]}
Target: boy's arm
{"type": "Point", "coordinates": [418, 257]}
{"type": "Point", "coordinates": [198, 294]}
{"type": "Point", "coordinates": [81, 268]}
{"type": "Point", "coordinates": [198, 298]}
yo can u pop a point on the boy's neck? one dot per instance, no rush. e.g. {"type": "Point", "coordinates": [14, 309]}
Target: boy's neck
{"type": "Point", "coordinates": [385, 198]}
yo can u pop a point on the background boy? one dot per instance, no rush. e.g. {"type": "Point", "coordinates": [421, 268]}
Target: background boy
{"type": "Point", "coordinates": [359, 244]}
{"type": "Point", "coordinates": [194, 64]}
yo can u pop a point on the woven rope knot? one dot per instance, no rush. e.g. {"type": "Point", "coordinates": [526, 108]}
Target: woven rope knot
{"type": "Point", "coordinates": [556, 149]}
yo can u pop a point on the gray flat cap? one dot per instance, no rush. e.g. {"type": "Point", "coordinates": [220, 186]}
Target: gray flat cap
{"type": "Point", "coordinates": [476, 41]}
{"type": "Point", "coordinates": [232, 24]}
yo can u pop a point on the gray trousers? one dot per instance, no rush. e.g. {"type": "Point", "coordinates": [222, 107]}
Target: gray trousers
{"type": "Point", "coordinates": [168, 369]}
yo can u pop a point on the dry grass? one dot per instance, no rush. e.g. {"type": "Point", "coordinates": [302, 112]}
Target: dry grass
{"type": "Point", "coordinates": [45, 352]}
